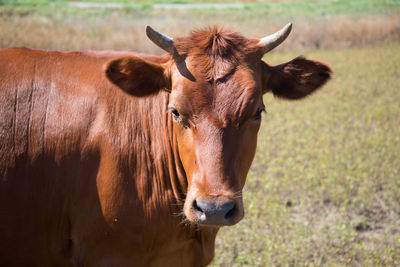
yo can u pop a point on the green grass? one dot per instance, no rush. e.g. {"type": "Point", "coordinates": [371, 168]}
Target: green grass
{"type": "Point", "coordinates": [324, 188]}
{"type": "Point", "coordinates": [287, 9]}
{"type": "Point", "coordinates": [307, 8]}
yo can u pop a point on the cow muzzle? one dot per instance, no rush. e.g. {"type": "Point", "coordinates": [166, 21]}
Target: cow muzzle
{"type": "Point", "coordinates": [217, 210]}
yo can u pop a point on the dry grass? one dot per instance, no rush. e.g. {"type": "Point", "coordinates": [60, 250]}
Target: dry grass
{"type": "Point", "coordinates": [343, 31]}
{"type": "Point", "coordinates": [61, 28]}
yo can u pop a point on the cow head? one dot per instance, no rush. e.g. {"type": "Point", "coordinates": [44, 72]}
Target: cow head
{"type": "Point", "coordinates": [216, 80]}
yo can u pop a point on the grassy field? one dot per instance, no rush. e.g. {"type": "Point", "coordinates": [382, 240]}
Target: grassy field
{"type": "Point", "coordinates": [324, 188]}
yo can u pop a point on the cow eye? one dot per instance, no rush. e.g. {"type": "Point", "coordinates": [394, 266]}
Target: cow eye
{"type": "Point", "coordinates": [177, 117]}
{"type": "Point", "coordinates": [260, 110]}
{"type": "Point", "coordinates": [175, 114]}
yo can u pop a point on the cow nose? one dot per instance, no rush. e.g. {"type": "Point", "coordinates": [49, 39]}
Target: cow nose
{"type": "Point", "coordinates": [214, 212]}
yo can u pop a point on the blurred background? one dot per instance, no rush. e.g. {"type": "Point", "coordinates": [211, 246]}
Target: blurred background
{"type": "Point", "coordinates": [324, 188]}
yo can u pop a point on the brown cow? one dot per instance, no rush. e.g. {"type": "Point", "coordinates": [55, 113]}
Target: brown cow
{"type": "Point", "coordinates": [95, 172]}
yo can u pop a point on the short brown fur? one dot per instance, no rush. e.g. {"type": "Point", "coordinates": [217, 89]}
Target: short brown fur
{"type": "Point", "coordinates": [216, 51]}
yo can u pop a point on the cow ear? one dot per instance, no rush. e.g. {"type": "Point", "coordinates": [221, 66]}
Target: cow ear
{"type": "Point", "coordinates": [136, 76]}
{"type": "Point", "coordinates": [295, 79]}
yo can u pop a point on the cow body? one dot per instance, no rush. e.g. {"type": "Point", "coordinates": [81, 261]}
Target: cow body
{"type": "Point", "coordinates": [85, 171]}
{"type": "Point", "coordinates": [99, 166]}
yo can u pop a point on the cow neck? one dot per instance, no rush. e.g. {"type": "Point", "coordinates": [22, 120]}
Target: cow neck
{"type": "Point", "coordinates": [140, 156]}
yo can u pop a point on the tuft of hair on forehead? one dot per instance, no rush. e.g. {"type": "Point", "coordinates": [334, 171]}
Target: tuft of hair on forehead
{"type": "Point", "coordinates": [216, 51]}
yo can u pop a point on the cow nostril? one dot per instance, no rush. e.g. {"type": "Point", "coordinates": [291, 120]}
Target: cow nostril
{"type": "Point", "coordinates": [195, 206]}
{"type": "Point", "coordinates": [231, 213]}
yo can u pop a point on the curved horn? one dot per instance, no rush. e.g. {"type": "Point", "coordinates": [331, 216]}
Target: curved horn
{"type": "Point", "coordinates": [271, 41]}
{"type": "Point", "coordinates": [164, 42]}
